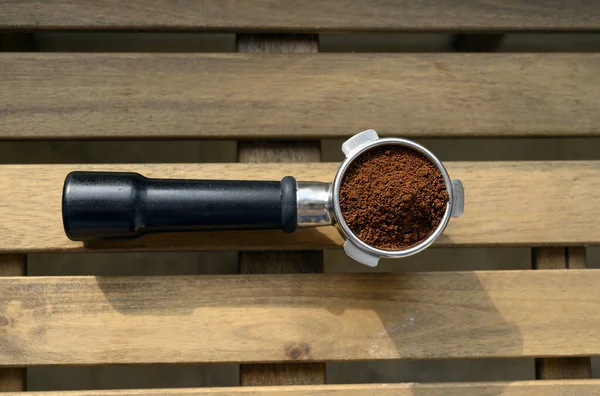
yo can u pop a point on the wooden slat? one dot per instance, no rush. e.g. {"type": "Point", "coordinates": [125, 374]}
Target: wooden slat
{"type": "Point", "coordinates": [277, 44]}
{"type": "Point", "coordinates": [281, 262]}
{"type": "Point", "coordinates": [261, 374]}
{"type": "Point", "coordinates": [524, 388]}
{"type": "Point", "coordinates": [563, 368]}
{"type": "Point", "coordinates": [273, 374]}
{"type": "Point", "coordinates": [507, 203]}
{"type": "Point", "coordinates": [263, 262]}
{"type": "Point", "coordinates": [13, 264]}
{"type": "Point", "coordinates": [12, 379]}
{"type": "Point", "coordinates": [560, 258]}
{"type": "Point", "coordinates": [77, 96]}
{"type": "Point", "coordinates": [279, 151]}
{"type": "Point", "coordinates": [307, 15]}
{"type": "Point", "coordinates": [269, 318]}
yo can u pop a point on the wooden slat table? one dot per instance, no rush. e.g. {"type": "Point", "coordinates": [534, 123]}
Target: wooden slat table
{"type": "Point", "coordinates": [283, 319]}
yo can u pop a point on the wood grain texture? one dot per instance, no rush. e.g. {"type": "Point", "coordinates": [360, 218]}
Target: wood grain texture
{"type": "Point", "coordinates": [576, 257]}
{"type": "Point", "coordinates": [563, 368]}
{"type": "Point", "coordinates": [95, 96]}
{"type": "Point", "coordinates": [298, 317]}
{"type": "Point", "coordinates": [278, 43]}
{"type": "Point", "coordinates": [279, 151]}
{"type": "Point", "coordinates": [556, 258]}
{"type": "Point", "coordinates": [559, 257]}
{"type": "Point", "coordinates": [302, 15]}
{"type": "Point", "coordinates": [258, 374]}
{"type": "Point", "coordinates": [525, 388]}
{"type": "Point", "coordinates": [507, 203]}
{"type": "Point", "coordinates": [282, 262]}
{"type": "Point", "coordinates": [13, 264]}
{"type": "Point", "coordinates": [274, 374]}
{"type": "Point", "coordinates": [12, 379]}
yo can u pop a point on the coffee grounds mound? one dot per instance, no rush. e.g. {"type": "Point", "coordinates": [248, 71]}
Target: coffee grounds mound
{"type": "Point", "coordinates": [393, 197]}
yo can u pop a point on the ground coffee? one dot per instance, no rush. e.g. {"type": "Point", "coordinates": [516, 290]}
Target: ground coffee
{"type": "Point", "coordinates": [393, 197]}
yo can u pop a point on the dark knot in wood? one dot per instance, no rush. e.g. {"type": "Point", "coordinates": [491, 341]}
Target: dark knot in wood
{"type": "Point", "coordinates": [298, 351]}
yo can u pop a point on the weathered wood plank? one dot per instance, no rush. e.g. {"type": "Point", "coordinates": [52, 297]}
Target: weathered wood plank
{"type": "Point", "coordinates": [281, 262]}
{"type": "Point", "coordinates": [261, 374]}
{"type": "Point", "coordinates": [12, 379]}
{"type": "Point", "coordinates": [102, 96]}
{"type": "Point", "coordinates": [302, 15]}
{"type": "Point", "coordinates": [507, 203]}
{"type": "Point", "coordinates": [524, 388]}
{"type": "Point", "coordinates": [563, 368]}
{"type": "Point", "coordinates": [274, 374]}
{"type": "Point", "coordinates": [13, 264]}
{"type": "Point", "coordinates": [277, 44]}
{"type": "Point", "coordinates": [560, 258]}
{"type": "Point", "coordinates": [308, 317]}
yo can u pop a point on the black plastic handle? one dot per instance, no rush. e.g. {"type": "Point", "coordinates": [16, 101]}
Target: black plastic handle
{"type": "Point", "coordinates": [97, 205]}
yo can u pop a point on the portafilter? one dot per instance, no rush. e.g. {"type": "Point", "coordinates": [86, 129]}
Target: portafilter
{"type": "Point", "coordinates": [105, 205]}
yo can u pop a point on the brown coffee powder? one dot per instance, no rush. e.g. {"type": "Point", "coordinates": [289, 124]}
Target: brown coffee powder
{"type": "Point", "coordinates": [393, 197]}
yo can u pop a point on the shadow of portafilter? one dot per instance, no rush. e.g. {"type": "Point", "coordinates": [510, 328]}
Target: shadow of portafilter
{"type": "Point", "coordinates": [320, 317]}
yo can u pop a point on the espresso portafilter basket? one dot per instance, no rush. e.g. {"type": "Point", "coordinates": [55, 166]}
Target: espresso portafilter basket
{"type": "Point", "coordinates": [106, 205]}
